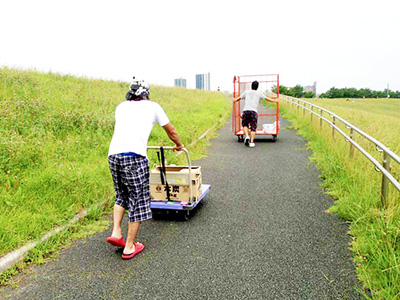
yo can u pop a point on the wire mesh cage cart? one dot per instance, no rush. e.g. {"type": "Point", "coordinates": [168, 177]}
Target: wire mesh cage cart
{"type": "Point", "coordinates": [268, 113]}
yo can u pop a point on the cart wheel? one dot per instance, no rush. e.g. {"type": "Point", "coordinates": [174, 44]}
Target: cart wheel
{"type": "Point", "coordinates": [274, 137]}
{"type": "Point", "coordinates": [157, 214]}
{"type": "Point", "coordinates": [240, 139]}
{"type": "Point", "coordinates": [184, 215]}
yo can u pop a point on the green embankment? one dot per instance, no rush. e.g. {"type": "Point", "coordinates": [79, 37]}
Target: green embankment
{"type": "Point", "coordinates": [54, 136]}
{"type": "Point", "coordinates": [355, 185]}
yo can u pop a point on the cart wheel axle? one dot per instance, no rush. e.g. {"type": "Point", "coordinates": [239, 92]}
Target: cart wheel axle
{"type": "Point", "coordinates": [183, 214]}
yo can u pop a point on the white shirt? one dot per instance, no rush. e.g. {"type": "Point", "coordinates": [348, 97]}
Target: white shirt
{"type": "Point", "coordinates": [134, 121]}
{"type": "Point", "coordinates": [252, 99]}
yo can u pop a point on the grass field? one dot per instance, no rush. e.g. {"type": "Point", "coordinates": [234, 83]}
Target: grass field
{"type": "Point", "coordinates": [378, 118]}
{"type": "Point", "coordinates": [355, 185]}
{"type": "Point", "coordinates": [54, 136]}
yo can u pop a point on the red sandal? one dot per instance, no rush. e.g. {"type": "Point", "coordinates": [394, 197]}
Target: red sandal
{"type": "Point", "coordinates": [116, 242]}
{"type": "Point", "coordinates": [138, 248]}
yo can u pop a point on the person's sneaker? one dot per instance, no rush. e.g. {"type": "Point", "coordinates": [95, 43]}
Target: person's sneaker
{"type": "Point", "coordinates": [246, 141]}
{"type": "Point", "coordinates": [252, 145]}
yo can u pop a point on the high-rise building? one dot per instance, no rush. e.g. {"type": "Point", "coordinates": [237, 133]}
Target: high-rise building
{"type": "Point", "coordinates": [207, 82]}
{"type": "Point", "coordinates": [203, 81]}
{"type": "Point", "coordinates": [199, 81]}
{"type": "Point", "coordinates": [181, 82]}
{"type": "Point", "coordinates": [311, 88]}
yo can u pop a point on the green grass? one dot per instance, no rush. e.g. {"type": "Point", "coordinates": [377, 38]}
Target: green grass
{"type": "Point", "coordinates": [378, 118]}
{"type": "Point", "coordinates": [54, 136]}
{"type": "Point", "coordinates": [355, 186]}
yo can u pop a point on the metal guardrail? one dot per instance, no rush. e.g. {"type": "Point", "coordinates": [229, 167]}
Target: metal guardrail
{"type": "Point", "coordinates": [388, 155]}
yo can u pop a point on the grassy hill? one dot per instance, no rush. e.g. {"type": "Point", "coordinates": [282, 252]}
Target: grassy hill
{"type": "Point", "coordinates": [54, 136]}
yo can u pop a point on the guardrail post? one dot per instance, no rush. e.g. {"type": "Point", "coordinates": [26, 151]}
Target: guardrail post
{"type": "Point", "coordinates": [298, 105]}
{"type": "Point", "coordinates": [333, 128]}
{"type": "Point", "coordinates": [351, 144]}
{"type": "Point", "coordinates": [304, 109]}
{"type": "Point", "coordinates": [385, 181]}
{"type": "Point", "coordinates": [312, 109]}
{"type": "Point", "coordinates": [320, 119]}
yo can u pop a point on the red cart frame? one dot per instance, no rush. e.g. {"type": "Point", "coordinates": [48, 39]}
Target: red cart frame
{"type": "Point", "coordinates": [266, 111]}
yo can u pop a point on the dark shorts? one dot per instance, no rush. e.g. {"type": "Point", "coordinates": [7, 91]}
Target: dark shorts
{"type": "Point", "coordinates": [132, 185]}
{"type": "Point", "coordinates": [249, 119]}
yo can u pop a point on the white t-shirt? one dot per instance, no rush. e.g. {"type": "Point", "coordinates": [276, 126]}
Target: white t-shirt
{"type": "Point", "coordinates": [252, 99]}
{"type": "Point", "coordinates": [134, 121]}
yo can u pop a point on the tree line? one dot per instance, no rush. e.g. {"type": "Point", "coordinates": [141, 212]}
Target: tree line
{"type": "Point", "coordinates": [299, 92]}
{"type": "Point", "coordinates": [296, 91]}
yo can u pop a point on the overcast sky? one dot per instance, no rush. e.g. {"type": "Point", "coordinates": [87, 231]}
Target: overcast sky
{"type": "Point", "coordinates": [341, 43]}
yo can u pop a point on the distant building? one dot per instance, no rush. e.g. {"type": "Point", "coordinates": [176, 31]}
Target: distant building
{"type": "Point", "coordinates": [180, 82]}
{"type": "Point", "coordinates": [203, 82]}
{"type": "Point", "coordinates": [199, 81]}
{"type": "Point", "coordinates": [311, 88]}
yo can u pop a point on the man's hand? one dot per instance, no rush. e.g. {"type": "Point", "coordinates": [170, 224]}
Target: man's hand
{"type": "Point", "coordinates": [178, 147]}
{"type": "Point", "coordinates": [272, 100]}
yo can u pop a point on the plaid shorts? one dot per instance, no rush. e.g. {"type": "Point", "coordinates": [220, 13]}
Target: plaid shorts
{"type": "Point", "coordinates": [250, 117]}
{"type": "Point", "coordinates": [132, 185]}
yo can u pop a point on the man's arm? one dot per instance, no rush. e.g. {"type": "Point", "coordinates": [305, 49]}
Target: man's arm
{"type": "Point", "coordinates": [271, 99]}
{"type": "Point", "coordinates": [236, 99]}
{"type": "Point", "coordinates": [173, 136]}
{"type": "Point", "coordinates": [240, 97]}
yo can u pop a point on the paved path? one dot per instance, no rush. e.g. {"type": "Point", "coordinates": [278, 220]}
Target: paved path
{"type": "Point", "coordinates": [263, 234]}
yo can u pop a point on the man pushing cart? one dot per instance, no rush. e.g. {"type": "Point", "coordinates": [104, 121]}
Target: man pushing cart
{"type": "Point", "coordinates": [250, 112]}
{"type": "Point", "coordinates": [129, 166]}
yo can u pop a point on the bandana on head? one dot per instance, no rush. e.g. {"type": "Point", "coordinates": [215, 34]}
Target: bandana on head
{"type": "Point", "coordinates": [138, 88]}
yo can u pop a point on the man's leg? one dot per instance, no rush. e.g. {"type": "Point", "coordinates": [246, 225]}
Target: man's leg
{"type": "Point", "coordinates": [253, 126]}
{"type": "Point", "coordinates": [133, 228]}
{"type": "Point", "coordinates": [117, 216]}
{"type": "Point", "coordinates": [246, 130]}
{"type": "Point", "coordinates": [245, 125]}
{"type": "Point", "coordinates": [253, 135]}
{"type": "Point", "coordinates": [139, 201]}
{"type": "Point", "coordinates": [246, 138]}
{"type": "Point", "coordinates": [120, 195]}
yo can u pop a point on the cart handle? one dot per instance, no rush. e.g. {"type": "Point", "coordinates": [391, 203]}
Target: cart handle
{"type": "Point", "coordinates": [189, 162]}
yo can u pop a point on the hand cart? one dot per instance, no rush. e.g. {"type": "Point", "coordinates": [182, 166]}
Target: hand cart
{"type": "Point", "coordinates": [268, 114]}
{"type": "Point", "coordinates": [183, 209]}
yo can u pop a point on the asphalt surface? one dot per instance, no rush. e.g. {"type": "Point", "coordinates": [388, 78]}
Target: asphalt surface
{"type": "Point", "coordinates": [263, 234]}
